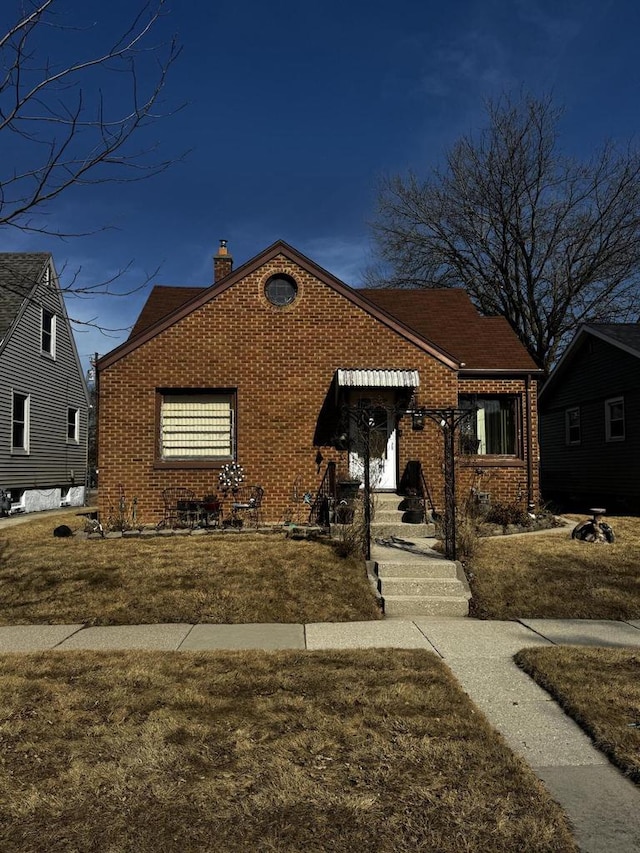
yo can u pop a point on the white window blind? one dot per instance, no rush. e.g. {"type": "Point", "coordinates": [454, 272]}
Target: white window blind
{"type": "Point", "coordinates": [197, 425]}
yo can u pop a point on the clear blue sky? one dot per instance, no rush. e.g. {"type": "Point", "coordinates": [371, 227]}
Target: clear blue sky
{"type": "Point", "coordinates": [295, 109]}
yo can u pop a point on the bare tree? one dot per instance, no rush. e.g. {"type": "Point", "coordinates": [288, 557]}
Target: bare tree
{"type": "Point", "coordinates": [545, 241]}
{"type": "Point", "coordinates": [53, 105]}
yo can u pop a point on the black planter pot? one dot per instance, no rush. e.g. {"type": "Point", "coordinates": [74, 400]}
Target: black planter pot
{"type": "Point", "coordinates": [413, 516]}
{"type": "Point", "coordinates": [348, 490]}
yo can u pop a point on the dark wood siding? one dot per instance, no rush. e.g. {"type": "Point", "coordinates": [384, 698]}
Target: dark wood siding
{"type": "Point", "coordinates": [596, 470]}
{"type": "Point", "coordinates": [54, 385]}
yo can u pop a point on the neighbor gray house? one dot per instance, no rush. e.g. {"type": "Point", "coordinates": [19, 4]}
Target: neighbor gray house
{"type": "Point", "coordinates": [43, 395]}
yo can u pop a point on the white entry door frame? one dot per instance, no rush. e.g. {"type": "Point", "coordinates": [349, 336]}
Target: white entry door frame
{"type": "Point", "coordinates": [383, 451]}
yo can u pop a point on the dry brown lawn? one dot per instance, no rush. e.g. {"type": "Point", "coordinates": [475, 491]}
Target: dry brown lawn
{"type": "Point", "coordinates": [549, 575]}
{"type": "Point", "coordinates": [221, 579]}
{"type": "Point", "coordinates": [600, 689]}
{"type": "Point", "coordinates": [252, 751]}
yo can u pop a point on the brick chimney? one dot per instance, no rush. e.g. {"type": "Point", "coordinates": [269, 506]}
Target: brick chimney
{"type": "Point", "coordinates": [222, 262]}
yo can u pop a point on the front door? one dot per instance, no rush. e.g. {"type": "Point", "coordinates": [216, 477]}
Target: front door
{"type": "Point", "coordinates": [373, 413]}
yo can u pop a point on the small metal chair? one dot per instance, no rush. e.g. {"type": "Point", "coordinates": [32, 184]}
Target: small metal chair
{"type": "Point", "coordinates": [249, 504]}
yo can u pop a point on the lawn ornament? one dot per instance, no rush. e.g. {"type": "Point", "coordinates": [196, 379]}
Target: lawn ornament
{"type": "Point", "coordinates": [594, 529]}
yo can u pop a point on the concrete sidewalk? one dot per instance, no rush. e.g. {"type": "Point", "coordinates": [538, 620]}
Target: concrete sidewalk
{"type": "Point", "coordinates": [602, 805]}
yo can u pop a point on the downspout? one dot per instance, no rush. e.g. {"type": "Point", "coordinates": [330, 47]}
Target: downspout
{"type": "Point", "coordinates": [529, 441]}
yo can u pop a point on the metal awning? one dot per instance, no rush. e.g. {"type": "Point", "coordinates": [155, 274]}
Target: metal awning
{"type": "Point", "coordinates": [348, 378]}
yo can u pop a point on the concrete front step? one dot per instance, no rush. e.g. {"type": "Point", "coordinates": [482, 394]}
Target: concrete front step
{"type": "Point", "coordinates": [423, 569]}
{"type": "Point", "coordinates": [387, 515]}
{"type": "Point", "coordinates": [407, 605]}
{"type": "Point", "coordinates": [420, 586]}
{"type": "Point", "coordinates": [384, 530]}
{"type": "Point", "coordinates": [413, 579]}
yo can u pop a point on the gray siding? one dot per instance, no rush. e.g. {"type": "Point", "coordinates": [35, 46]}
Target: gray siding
{"type": "Point", "coordinates": [595, 470]}
{"type": "Point", "coordinates": [53, 386]}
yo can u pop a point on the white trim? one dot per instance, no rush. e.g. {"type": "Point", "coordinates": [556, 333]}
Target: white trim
{"type": "Point", "coordinates": [567, 426]}
{"type": "Point", "coordinates": [24, 448]}
{"type": "Point", "coordinates": [608, 405]}
{"type": "Point", "coordinates": [51, 352]}
{"type": "Point", "coordinates": [75, 438]}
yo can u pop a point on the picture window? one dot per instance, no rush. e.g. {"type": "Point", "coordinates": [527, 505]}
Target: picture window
{"type": "Point", "coordinates": [492, 427]}
{"type": "Point", "coordinates": [197, 425]}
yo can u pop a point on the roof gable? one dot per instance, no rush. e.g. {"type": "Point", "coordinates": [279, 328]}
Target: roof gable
{"type": "Point", "coordinates": [442, 322]}
{"type": "Point", "coordinates": [188, 300]}
{"type": "Point", "coordinates": [623, 336]}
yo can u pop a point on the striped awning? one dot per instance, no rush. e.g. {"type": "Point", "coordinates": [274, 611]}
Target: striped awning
{"type": "Point", "coordinates": [377, 378]}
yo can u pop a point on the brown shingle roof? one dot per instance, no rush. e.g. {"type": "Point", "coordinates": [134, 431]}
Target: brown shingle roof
{"type": "Point", "coordinates": [162, 301]}
{"type": "Point", "coordinates": [19, 274]}
{"type": "Point", "coordinates": [444, 317]}
{"type": "Point", "coordinates": [448, 318]}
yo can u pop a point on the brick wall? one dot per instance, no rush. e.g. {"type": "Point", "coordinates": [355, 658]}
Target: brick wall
{"type": "Point", "coordinates": [281, 362]}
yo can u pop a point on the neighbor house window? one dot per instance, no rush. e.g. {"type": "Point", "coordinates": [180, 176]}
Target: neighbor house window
{"type": "Point", "coordinates": [614, 419]}
{"type": "Point", "coordinates": [20, 422]}
{"type": "Point", "coordinates": [196, 425]}
{"type": "Point", "coordinates": [572, 426]}
{"type": "Point", "coordinates": [73, 425]}
{"type": "Point", "coordinates": [48, 333]}
{"type": "Point", "coordinates": [491, 428]}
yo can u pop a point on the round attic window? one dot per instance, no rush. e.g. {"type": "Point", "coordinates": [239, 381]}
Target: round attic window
{"type": "Point", "coordinates": [281, 290]}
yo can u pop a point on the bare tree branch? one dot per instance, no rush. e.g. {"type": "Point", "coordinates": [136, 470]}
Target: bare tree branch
{"type": "Point", "coordinates": [546, 242]}
{"type": "Point", "coordinates": [70, 133]}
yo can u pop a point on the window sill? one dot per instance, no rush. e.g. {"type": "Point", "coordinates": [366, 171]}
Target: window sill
{"type": "Point", "coordinates": [191, 464]}
{"type": "Point", "coordinates": [17, 451]}
{"type": "Point", "coordinates": [482, 461]}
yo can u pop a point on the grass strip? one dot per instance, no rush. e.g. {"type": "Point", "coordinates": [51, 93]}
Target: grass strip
{"type": "Point", "coordinates": [551, 576]}
{"type": "Point", "coordinates": [600, 689]}
{"type": "Point", "coordinates": [238, 751]}
{"type": "Point", "coordinates": [213, 578]}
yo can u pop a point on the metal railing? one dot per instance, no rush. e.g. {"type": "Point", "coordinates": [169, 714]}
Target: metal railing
{"type": "Point", "coordinates": [325, 499]}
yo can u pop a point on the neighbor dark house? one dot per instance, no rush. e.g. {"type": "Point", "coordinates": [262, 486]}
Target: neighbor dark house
{"type": "Point", "coordinates": [589, 408]}
{"type": "Point", "coordinates": [43, 414]}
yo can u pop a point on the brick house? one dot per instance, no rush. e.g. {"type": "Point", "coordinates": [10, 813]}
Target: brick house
{"type": "Point", "coordinates": [272, 356]}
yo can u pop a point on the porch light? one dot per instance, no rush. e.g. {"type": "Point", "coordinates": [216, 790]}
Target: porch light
{"type": "Point", "coordinates": [417, 421]}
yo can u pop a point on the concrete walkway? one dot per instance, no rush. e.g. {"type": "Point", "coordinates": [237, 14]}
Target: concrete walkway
{"type": "Point", "coordinates": [602, 805]}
